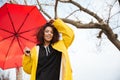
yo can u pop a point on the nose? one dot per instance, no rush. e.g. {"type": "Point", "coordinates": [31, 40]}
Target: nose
{"type": "Point", "coordinates": [49, 32]}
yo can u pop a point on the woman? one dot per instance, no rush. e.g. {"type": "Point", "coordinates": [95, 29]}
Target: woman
{"type": "Point", "coordinates": [49, 59]}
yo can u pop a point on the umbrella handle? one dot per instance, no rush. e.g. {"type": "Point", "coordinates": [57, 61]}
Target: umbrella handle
{"type": "Point", "coordinates": [27, 51]}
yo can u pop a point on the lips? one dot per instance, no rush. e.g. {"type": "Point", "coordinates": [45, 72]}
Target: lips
{"type": "Point", "coordinates": [48, 37]}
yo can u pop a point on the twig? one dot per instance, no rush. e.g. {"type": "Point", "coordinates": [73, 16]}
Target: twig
{"type": "Point", "coordinates": [43, 10]}
{"type": "Point", "coordinates": [72, 13]}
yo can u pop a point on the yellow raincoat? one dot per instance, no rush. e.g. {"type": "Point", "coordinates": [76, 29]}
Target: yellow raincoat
{"type": "Point", "coordinates": [30, 63]}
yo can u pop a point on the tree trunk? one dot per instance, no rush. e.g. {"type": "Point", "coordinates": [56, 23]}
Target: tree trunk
{"type": "Point", "coordinates": [19, 73]}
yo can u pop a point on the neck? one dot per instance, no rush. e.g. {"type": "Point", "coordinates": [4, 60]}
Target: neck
{"type": "Point", "coordinates": [46, 43]}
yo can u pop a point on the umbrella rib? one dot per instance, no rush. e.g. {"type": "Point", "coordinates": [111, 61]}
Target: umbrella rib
{"type": "Point", "coordinates": [25, 19]}
{"type": "Point", "coordinates": [29, 30]}
{"type": "Point", "coordinates": [11, 21]}
{"type": "Point", "coordinates": [10, 45]}
{"type": "Point", "coordinates": [6, 31]}
{"type": "Point", "coordinates": [9, 48]}
{"type": "Point", "coordinates": [6, 38]}
{"type": "Point", "coordinates": [27, 39]}
{"type": "Point", "coordinates": [19, 44]}
{"type": "Point", "coordinates": [23, 22]}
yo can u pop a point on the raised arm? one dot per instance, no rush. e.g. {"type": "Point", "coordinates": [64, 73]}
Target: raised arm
{"type": "Point", "coordinates": [67, 32]}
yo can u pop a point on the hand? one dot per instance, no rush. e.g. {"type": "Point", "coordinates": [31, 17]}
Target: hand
{"type": "Point", "coordinates": [27, 51]}
{"type": "Point", "coordinates": [51, 21]}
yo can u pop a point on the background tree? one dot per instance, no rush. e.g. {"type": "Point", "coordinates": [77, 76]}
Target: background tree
{"type": "Point", "coordinates": [119, 2]}
{"type": "Point", "coordinates": [96, 22]}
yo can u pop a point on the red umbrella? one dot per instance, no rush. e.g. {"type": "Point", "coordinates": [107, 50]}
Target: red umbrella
{"type": "Point", "coordinates": [18, 24]}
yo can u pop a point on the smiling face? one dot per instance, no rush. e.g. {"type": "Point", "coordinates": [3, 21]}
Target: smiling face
{"type": "Point", "coordinates": [48, 34]}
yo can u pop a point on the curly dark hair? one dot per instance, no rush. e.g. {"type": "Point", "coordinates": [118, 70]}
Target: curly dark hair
{"type": "Point", "coordinates": [40, 33]}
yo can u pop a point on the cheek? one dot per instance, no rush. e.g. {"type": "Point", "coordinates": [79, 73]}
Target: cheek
{"type": "Point", "coordinates": [52, 35]}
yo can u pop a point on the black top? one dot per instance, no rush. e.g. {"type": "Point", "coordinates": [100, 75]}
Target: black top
{"type": "Point", "coordinates": [49, 61]}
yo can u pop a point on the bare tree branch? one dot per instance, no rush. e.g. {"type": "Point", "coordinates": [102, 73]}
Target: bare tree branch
{"type": "Point", "coordinates": [80, 25]}
{"type": "Point", "coordinates": [109, 15]}
{"type": "Point", "coordinates": [25, 2]}
{"type": "Point", "coordinates": [85, 10]}
{"type": "Point", "coordinates": [56, 3]}
{"type": "Point", "coordinates": [119, 2]}
{"type": "Point", "coordinates": [72, 13]}
{"type": "Point", "coordinates": [13, 1]}
{"type": "Point", "coordinates": [43, 10]}
{"type": "Point", "coordinates": [47, 4]}
{"type": "Point", "coordinates": [104, 27]}
{"type": "Point", "coordinates": [64, 0]}
{"type": "Point", "coordinates": [115, 14]}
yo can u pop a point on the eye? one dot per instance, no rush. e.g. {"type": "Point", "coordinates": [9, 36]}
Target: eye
{"type": "Point", "coordinates": [46, 31]}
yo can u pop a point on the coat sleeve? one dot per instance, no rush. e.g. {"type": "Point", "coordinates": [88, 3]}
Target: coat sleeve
{"type": "Point", "coordinates": [67, 32]}
{"type": "Point", "coordinates": [27, 62]}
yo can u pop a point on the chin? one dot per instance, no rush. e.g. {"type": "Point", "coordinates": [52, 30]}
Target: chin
{"type": "Point", "coordinates": [49, 40]}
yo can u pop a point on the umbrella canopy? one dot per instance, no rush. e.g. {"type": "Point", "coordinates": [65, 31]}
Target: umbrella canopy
{"type": "Point", "coordinates": [18, 24]}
